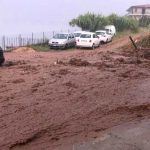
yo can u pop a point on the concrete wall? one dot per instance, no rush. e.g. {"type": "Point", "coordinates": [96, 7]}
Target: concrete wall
{"type": "Point", "coordinates": [148, 11]}
{"type": "Point", "coordinates": [139, 11]}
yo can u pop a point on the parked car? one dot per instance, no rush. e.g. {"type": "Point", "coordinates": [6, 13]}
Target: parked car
{"type": "Point", "coordinates": [88, 39]}
{"type": "Point", "coordinates": [62, 40]}
{"type": "Point", "coordinates": [2, 59]}
{"type": "Point", "coordinates": [111, 29]}
{"type": "Point", "coordinates": [77, 34]}
{"type": "Point", "coordinates": [104, 36]}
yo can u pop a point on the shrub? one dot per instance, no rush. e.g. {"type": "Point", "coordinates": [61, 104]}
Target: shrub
{"type": "Point", "coordinates": [144, 21]}
{"type": "Point", "coordinates": [93, 22]}
{"type": "Point", "coordinates": [89, 21]}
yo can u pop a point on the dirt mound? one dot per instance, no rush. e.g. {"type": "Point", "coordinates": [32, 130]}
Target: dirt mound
{"type": "Point", "coordinates": [24, 49]}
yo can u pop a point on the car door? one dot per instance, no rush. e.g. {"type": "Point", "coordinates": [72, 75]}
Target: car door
{"type": "Point", "coordinates": [73, 40]}
{"type": "Point", "coordinates": [96, 39]}
{"type": "Point", "coordinates": [69, 40]}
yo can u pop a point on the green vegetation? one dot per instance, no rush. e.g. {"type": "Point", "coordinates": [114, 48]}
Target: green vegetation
{"type": "Point", "coordinates": [93, 22]}
{"type": "Point", "coordinates": [123, 23]}
{"type": "Point", "coordinates": [144, 21]}
{"type": "Point", "coordinates": [144, 42]}
{"type": "Point", "coordinates": [41, 47]}
{"type": "Point", "coordinates": [45, 48]}
{"type": "Point", "coordinates": [89, 21]}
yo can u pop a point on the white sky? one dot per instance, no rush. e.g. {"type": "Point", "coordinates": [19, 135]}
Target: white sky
{"type": "Point", "coordinates": [26, 16]}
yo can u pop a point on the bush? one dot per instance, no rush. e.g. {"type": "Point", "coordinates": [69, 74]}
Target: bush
{"type": "Point", "coordinates": [144, 21]}
{"type": "Point", "coordinates": [93, 22]}
{"type": "Point", "coordinates": [125, 23]}
{"type": "Point", "coordinates": [89, 22]}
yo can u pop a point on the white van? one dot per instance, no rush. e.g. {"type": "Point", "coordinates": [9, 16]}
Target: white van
{"type": "Point", "coordinates": [111, 29]}
{"type": "Point", "coordinates": [77, 34]}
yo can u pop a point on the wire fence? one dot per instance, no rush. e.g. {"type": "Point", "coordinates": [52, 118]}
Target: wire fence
{"type": "Point", "coordinates": [11, 42]}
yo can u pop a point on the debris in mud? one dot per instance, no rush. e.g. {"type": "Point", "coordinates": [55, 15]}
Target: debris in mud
{"type": "Point", "coordinates": [63, 71]}
{"type": "Point", "coordinates": [126, 74]}
{"type": "Point", "coordinates": [14, 63]}
{"type": "Point", "coordinates": [120, 60]}
{"type": "Point", "coordinates": [70, 84]}
{"type": "Point", "coordinates": [18, 81]}
{"type": "Point", "coordinates": [78, 62]}
{"type": "Point", "coordinates": [55, 139]}
{"type": "Point", "coordinates": [107, 57]}
{"type": "Point", "coordinates": [102, 65]}
{"type": "Point", "coordinates": [59, 62]}
{"type": "Point", "coordinates": [132, 74]}
{"type": "Point", "coordinates": [146, 52]}
{"type": "Point", "coordinates": [27, 68]}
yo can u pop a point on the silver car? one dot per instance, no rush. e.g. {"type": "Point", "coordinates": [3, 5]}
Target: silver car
{"type": "Point", "coordinates": [62, 40]}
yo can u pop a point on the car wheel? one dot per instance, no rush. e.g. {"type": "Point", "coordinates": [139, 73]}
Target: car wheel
{"type": "Point", "coordinates": [93, 46]}
{"type": "Point", "coordinates": [66, 46]}
{"type": "Point", "coordinates": [102, 42]}
{"type": "Point", "coordinates": [99, 44]}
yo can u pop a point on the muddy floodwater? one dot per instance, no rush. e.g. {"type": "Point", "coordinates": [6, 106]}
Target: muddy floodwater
{"type": "Point", "coordinates": [53, 100]}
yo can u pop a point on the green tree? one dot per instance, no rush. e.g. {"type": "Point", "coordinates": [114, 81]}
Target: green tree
{"type": "Point", "coordinates": [89, 21]}
{"type": "Point", "coordinates": [93, 22]}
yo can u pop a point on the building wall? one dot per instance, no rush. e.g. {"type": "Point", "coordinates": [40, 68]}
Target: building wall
{"type": "Point", "coordinates": [136, 11]}
{"type": "Point", "coordinates": [139, 11]}
{"type": "Point", "coordinates": [148, 11]}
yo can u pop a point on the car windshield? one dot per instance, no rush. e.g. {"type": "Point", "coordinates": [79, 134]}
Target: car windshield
{"type": "Point", "coordinates": [77, 34]}
{"type": "Point", "coordinates": [60, 36]}
{"type": "Point", "coordinates": [100, 33]}
{"type": "Point", "coordinates": [107, 30]}
{"type": "Point", "coordinates": [85, 36]}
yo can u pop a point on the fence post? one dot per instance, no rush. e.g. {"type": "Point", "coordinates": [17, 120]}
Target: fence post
{"type": "Point", "coordinates": [32, 39]}
{"type": "Point", "coordinates": [43, 37]}
{"type": "Point", "coordinates": [20, 40]}
{"type": "Point", "coordinates": [3, 43]}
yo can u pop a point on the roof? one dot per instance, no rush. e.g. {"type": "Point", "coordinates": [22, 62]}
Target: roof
{"type": "Point", "coordinates": [139, 6]}
{"type": "Point", "coordinates": [87, 32]}
{"type": "Point", "coordinates": [78, 32]}
{"type": "Point", "coordinates": [101, 31]}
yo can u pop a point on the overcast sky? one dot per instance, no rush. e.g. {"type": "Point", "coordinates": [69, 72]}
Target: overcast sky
{"type": "Point", "coordinates": [26, 16]}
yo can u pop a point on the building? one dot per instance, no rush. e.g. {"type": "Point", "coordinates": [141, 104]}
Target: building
{"type": "Point", "coordinates": [139, 11]}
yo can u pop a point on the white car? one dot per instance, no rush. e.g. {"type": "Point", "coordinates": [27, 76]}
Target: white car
{"type": "Point", "coordinates": [104, 36]}
{"type": "Point", "coordinates": [77, 34]}
{"type": "Point", "coordinates": [88, 39]}
{"type": "Point", "coordinates": [62, 40]}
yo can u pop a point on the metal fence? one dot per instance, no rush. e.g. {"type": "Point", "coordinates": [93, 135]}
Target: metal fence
{"type": "Point", "coordinates": [10, 42]}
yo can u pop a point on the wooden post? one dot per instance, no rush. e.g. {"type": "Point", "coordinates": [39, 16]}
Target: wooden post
{"type": "Point", "coordinates": [136, 50]}
{"type": "Point", "coordinates": [133, 43]}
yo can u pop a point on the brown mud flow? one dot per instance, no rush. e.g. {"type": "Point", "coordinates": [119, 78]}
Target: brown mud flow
{"type": "Point", "coordinates": [53, 100]}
